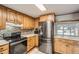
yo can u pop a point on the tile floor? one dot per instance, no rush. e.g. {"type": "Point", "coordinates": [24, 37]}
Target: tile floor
{"type": "Point", "coordinates": [35, 51]}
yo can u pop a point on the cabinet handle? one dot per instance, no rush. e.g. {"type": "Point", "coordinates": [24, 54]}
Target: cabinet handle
{"type": "Point", "coordinates": [1, 53]}
{"type": "Point", "coordinates": [67, 45]}
{"type": "Point", "coordinates": [1, 48]}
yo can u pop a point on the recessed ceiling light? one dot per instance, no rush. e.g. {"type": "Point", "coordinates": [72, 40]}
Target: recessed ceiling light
{"type": "Point", "coordinates": [41, 7]}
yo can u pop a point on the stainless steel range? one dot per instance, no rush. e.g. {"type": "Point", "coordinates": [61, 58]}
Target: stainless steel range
{"type": "Point", "coordinates": [17, 43]}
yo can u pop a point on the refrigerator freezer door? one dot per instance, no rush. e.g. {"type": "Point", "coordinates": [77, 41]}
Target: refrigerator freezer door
{"type": "Point", "coordinates": [45, 46]}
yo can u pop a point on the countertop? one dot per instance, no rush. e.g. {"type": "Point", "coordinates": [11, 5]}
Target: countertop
{"type": "Point", "coordinates": [67, 37]}
{"type": "Point", "coordinates": [2, 42]}
{"type": "Point", "coordinates": [28, 35]}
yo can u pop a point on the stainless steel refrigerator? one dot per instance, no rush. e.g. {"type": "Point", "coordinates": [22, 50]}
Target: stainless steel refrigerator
{"type": "Point", "coordinates": [46, 37]}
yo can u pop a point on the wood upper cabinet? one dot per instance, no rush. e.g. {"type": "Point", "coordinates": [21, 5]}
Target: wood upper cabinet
{"type": "Point", "coordinates": [49, 17]}
{"type": "Point", "coordinates": [14, 17]}
{"type": "Point", "coordinates": [2, 17]}
{"type": "Point", "coordinates": [19, 18]}
{"type": "Point", "coordinates": [11, 16]}
{"type": "Point", "coordinates": [43, 18]}
{"type": "Point", "coordinates": [28, 23]}
{"type": "Point", "coordinates": [36, 22]}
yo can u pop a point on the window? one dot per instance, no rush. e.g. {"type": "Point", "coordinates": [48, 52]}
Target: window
{"type": "Point", "coordinates": [59, 29]}
{"type": "Point", "coordinates": [67, 29]}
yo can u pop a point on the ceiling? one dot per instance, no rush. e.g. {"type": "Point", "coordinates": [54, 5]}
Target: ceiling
{"type": "Point", "coordinates": [32, 10]}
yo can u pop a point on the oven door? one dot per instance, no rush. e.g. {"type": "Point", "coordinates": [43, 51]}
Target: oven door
{"type": "Point", "coordinates": [19, 48]}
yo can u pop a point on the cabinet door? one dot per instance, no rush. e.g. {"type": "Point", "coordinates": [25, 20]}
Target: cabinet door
{"type": "Point", "coordinates": [69, 46]}
{"type": "Point", "coordinates": [2, 17]}
{"type": "Point", "coordinates": [62, 47]}
{"type": "Point", "coordinates": [47, 18]}
{"type": "Point", "coordinates": [69, 49]}
{"type": "Point", "coordinates": [33, 41]}
{"type": "Point", "coordinates": [36, 23]}
{"type": "Point", "coordinates": [28, 23]}
{"type": "Point", "coordinates": [5, 52]}
{"type": "Point", "coordinates": [30, 43]}
{"type": "Point", "coordinates": [37, 41]}
{"type": "Point", "coordinates": [76, 48]}
{"type": "Point", "coordinates": [32, 23]}
{"type": "Point", "coordinates": [59, 46]}
{"type": "Point", "coordinates": [11, 16]}
{"type": "Point", "coordinates": [25, 23]}
{"type": "Point", "coordinates": [19, 18]}
{"type": "Point", "coordinates": [43, 18]}
{"type": "Point", "coordinates": [4, 49]}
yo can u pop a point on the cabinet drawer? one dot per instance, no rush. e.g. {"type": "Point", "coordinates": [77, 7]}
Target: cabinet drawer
{"type": "Point", "coordinates": [76, 43]}
{"type": "Point", "coordinates": [4, 52]}
{"type": "Point", "coordinates": [70, 42]}
{"type": "Point", "coordinates": [5, 47]}
{"type": "Point", "coordinates": [29, 42]}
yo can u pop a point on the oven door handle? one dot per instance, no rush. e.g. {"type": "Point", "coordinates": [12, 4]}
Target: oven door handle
{"type": "Point", "coordinates": [15, 43]}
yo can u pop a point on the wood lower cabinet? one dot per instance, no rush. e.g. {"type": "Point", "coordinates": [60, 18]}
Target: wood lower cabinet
{"type": "Point", "coordinates": [76, 47]}
{"type": "Point", "coordinates": [30, 42]}
{"type": "Point", "coordinates": [37, 41]}
{"type": "Point", "coordinates": [4, 49]}
{"type": "Point", "coordinates": [69, 46]}
{"type": "Point", "coordinates": [69, 49]}
{"type": "Point", "coordinates": [64, 46]}
{"type": "Point", "coordinates": [59, 46]}
{"type": "Point", "coordinates": [4, 52]}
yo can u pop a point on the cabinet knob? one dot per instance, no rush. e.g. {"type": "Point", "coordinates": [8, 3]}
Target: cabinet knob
{"type": "Point", "coordinates": [67, 45]}
{"type": "Point", "coordinates": [1, 48]}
